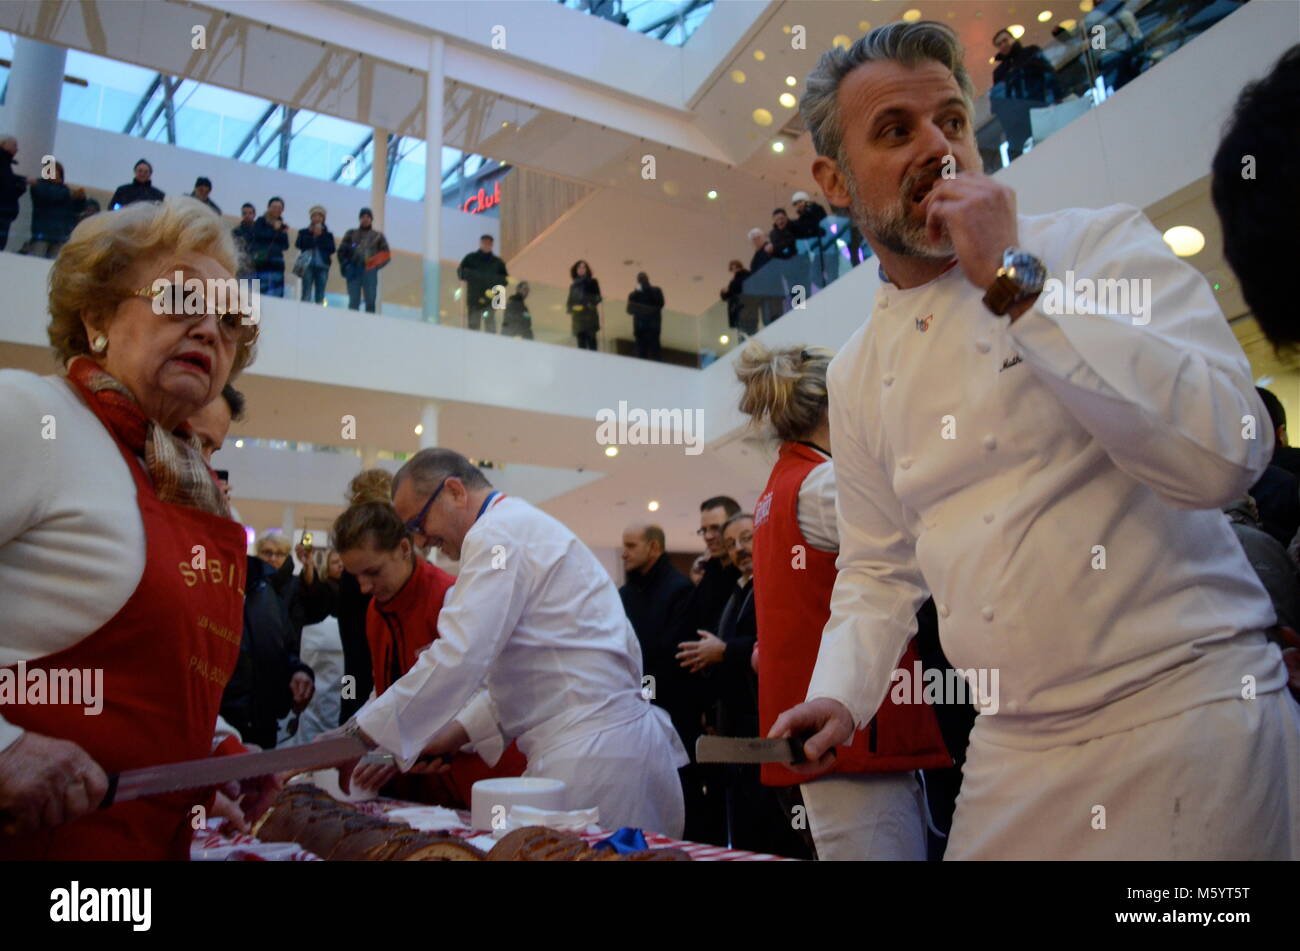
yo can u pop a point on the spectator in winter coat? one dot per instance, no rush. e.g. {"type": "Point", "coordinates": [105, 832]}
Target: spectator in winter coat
{"type": "Point", "coordinates": [54, 214]}
{"type": "Point", "coordinates": [584, 304]}
{"type": "Point", "coordinates": [517, 322]}
{"type": "Point", "coordinates": [362, 253]}
{"type": "Point", "coordinates": [731, 293]}
{"type": "Point", "coordinates": [243, 235]}
{"type": "Point", "coordinates": [12, 186]}
{"type": "Point", "coordinates": [809, 215]}
{"type": "Point", "coordinates": [317, 242]}
{"type": "Point", "coordinates": [140, 188]}
{"type": "Point", "coordinates": [646, 305]}
{"type": "Point", "coordinates": [270, 241]}
{"type": "Point", "coordinates": [202, 189]}
{"type": "Point", "coordinates": [482, 271]}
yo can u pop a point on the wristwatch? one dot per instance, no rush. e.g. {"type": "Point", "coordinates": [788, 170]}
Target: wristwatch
{"type": "Point", "coordinates": [1019, 278]}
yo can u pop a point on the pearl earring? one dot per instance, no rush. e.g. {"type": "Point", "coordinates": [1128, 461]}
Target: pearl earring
{"type": "Point", "coordinates": [99, 344]}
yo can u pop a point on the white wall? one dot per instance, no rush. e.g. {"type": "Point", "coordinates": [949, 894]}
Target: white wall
{"type": "Point", "coordinates": [98, 158]}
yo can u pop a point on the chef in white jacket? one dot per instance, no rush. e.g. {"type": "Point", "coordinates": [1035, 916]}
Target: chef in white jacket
{"type": "Point", "coordinates": [1054, 480]}
{"type": "Point", "coordinates": [536, 618]}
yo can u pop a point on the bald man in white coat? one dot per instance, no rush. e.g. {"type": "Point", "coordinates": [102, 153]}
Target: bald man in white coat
{"type": "Point", "coordinates": [536, 619]}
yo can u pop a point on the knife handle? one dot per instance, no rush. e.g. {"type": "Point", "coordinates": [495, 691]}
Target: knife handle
{"type": "Point", "coordinates": [112, 791]}
{"type": "Point", "coordinates": [796, 749]}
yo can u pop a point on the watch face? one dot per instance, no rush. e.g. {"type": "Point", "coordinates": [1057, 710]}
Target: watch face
{"type": "Point", "coordinates": [1025, 269]}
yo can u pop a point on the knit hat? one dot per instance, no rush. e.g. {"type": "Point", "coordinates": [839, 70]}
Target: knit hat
{"type": "Point", "coordinates": [799, 196]}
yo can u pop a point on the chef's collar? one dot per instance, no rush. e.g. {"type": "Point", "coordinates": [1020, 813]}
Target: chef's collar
{"type": "Point", "coordinates": [884, 278]}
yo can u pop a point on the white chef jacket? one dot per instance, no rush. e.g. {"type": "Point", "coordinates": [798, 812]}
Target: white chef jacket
{"type": "Point", "coordinates": [1077, 438]}
{"type": "Point", "coordinates": [533, 615]}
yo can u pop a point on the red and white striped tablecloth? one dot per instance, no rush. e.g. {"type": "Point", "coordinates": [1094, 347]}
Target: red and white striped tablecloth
{"type": "Point", "coordinates": [213, 845]}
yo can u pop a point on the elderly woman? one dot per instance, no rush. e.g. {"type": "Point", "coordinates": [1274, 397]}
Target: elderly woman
{"type": "Point", "coordinates": [120, 567]}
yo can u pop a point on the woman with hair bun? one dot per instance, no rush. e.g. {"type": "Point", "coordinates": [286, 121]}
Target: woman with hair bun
{"type": "Point", "coordinates": [869, 805]}
{"type": "Point", "coordinates": [407, 592]}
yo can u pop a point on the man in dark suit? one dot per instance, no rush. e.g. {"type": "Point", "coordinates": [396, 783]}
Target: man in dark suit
{"type": "Point", "coordinates": [653, 597]}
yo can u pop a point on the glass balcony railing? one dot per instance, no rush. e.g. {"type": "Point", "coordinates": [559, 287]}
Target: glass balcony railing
{"type": "Point", "coordinates": [670, 21]}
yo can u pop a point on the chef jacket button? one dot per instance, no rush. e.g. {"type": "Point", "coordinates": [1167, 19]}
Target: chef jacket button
{"type": "Point", "coordinates": [905, 462]}
{"type": "Point", "coordinates": [986, 612]}
{"type": "Point", "coordinates": [1013, 706]}
{"type": "Point", "coordinates": [888, 379]}
{"type": "Point", "coordinates": [982, 345]}
{"type": "Point", "coordinates": [990, 442]}
{"type": "Point", "coordinates": [943, 610]}
{"type": "Point", "coordinates": [988, 517]}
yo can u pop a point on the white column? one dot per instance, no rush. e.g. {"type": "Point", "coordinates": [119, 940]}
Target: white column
{"type": "Point", "coordinates": [369, 457]}
{"type": "Point", "coordinates": [379, 177]}
{"type": "Point", "coordinates": [32, 106]}
{"type": "Point", "coordinates": [433, 93]}
{"type": "Point", "coordinates": [288, 520]}
{"type": "Point", "coordinates": [429, 424]}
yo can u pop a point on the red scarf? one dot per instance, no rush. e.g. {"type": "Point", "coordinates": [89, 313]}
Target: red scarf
{"type": "Point", "coordinates": [174, 461]}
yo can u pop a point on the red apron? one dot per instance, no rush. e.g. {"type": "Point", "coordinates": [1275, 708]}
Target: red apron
{"type": "Point", "coordinates": [792, 605]}
{"type": "Point", "coordinates": [166, 656]}
{"type": "Point", "coordinates": [398, 630]}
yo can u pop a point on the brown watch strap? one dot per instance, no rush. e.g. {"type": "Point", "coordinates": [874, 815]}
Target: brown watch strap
{"type": "Point", "coordinates": [1001, 294]}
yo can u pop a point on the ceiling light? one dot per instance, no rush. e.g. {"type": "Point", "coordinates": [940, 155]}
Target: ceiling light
{"type": "Point", "coordinates": [1068, 24]}
{"type": "Point", "coordinates": [239, 444]}
{"type": "Point", "coordinates": [1044, 16]}
{"type": "Point", "coordinates": [1184, 240]}
{"type": "Point", "coordinates": [760, 55]}
{"type": "Point", "coordinates": [724, 339]}
{"type": "Point", "coordinates": [737, 76]}
{"type": "Point", "coordinates": [864, 25]}
{"type": "Point", "coordinates": [791, 81]}
{"type": "Point", "coordinates": [778, 146]}
{"type": "Point", "coordinates": [786, 30]}
{"type": "Point", "coordinates": [419, 429]}
{"type": "Point", "coordinates": [992, 60]}
{"type": "Point", "coordinates": [762, 117]}
{"type": "Point", "coordinates": [911, 16]}
{"type": "Point", "coordinates": [1085, 6]}
{"type": "Point", "coordinates": [505, 124]}
{"type": "Point", "coordinates": [611, 451]}
{"type": "Point", "coordinates": [787, 100]}
{"type": "Point", "coordinates": [712, 194]}
{"type": "Point", "coordinates": [653, 506]}
{"type": "Point", "coordinates": [842, 41]}
{"type": "Point", "coordinates": [1016, 31]}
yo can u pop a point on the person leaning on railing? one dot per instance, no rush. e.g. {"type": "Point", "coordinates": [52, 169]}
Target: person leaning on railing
{"type": "Point", "coordinates": [118, 556]}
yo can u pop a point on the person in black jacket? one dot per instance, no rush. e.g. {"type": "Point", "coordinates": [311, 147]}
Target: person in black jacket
{"type": "Point", "coordinates": [646, 305]}
{"type": "Point", "coordinates": [269, 679]}
{"type": "Point", "coordinates": [808, 216]}
{"type": "Point", "coordinates": [202, 191]}
{"type": "Point", "coordinates": [317, 242]}
{"type": "Point", "coordinates": [1285, 455]}
{"type": "Point", "coordinates": [482, 271]}
{"type": "Point", "coordinates": [1025, 75]}
{"type": "Point", "coordinates": [12, 186]}
{"type": "Point", "coordinates": [270, 241]}
{"type": "Point", "coordinates": [138, 189]}
{"type": "Point", "coordinates": [654, 596]}
{"type": "Point", "coordinates": [731, 293]}
{"type": "Point", "coordinates": [517, 322]}
{"type": "Point", "coordinates": [781, 238]}
{"type": "Point", "coordinates": [55, 208]}
{"type": "Point", "coordinates": [699, 621]}
{"type": "Point", "coordinates": [584, 304]}
{"type": "Point", "coordinates": [243, 235]}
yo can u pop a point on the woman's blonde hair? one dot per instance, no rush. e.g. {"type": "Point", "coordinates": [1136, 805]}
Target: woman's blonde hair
{"type": "Point", "coordinates": [785, 387]}
{"type": "Point", "coordinates": [92, 273]}
{"type": "Point", "coordinates": [370, 516]}
{"type": "Point", "coordinates": [276, 539]}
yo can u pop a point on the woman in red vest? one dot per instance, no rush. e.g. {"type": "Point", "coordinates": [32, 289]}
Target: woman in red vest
{"type": "Point", "coordinates": [870, 804]}
{"type": "Point", "coordinates": [402, 621]}
{"type": "Point", "coordinates": [121, 572]}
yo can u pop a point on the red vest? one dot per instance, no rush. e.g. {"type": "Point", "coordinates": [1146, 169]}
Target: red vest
{"type": "Point", "coordinates": [398, 630]}
{"type": "Point", "coordinates": [166, 657]}
{"type": "Point", "coordinates": [792, 597]}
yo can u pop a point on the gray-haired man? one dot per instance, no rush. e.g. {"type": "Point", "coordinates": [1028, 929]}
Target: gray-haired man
{"type": "Point", "coordinates": [1051, 472]}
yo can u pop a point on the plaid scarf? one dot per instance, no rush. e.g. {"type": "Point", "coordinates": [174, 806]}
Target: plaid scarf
{"type": "Point", "coordinates": [174, 461]}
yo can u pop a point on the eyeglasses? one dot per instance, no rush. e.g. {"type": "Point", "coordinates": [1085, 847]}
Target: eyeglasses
{"type": "Point", "coordinates": [416, 525]}
{"type": "Point", "coordinates": [709, 530]}
{"type": "Point", "coordinates": [235, 326]}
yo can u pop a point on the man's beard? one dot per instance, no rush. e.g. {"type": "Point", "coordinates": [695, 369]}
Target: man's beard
{"type": "Point", "coordinates": [893, 229]}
